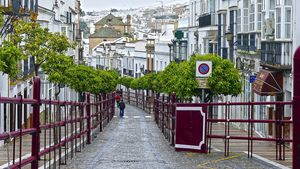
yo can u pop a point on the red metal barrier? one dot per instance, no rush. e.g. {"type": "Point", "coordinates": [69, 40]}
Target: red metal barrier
{"type": "Point", "coordinates": [164, 116]}
{"type": "Point", "coordinates": [59, 129]}
{"type": "Point", "coordinates": [296, 108]}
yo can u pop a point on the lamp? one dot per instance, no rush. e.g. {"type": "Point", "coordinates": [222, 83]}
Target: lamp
{"type": "Point", "coordinates": [229, 35]}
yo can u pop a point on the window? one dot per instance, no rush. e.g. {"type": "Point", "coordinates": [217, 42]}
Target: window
{"type": "Point", "coordinates": [64, 30]}
{"type": "Point", "coordinates": [272, 4]}
{"type": "Point", "coordinates": [278, 2]}
{"type": "Point", "coordinates": [288, 19]}
{"type": "Point", "coordinates": [251, 17]}
{"type": "Point", "coordinates": [238, 19]}
{"type": "Point", "coordinates": [245, 16]}
{"type": "Point", "coordinates": [212, 6]}
{"type": "Point", "coordinates": [278, 23]}
{"type": "Point", "coordinates": [263, 34]}
{"type": "Point", "coordinates": [287, 2]}
{"type": "Point", "coordinates": [259, 14]}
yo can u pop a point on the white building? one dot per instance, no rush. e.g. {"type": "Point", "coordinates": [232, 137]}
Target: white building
{"type": "Point", "coordinates": [59, 16]}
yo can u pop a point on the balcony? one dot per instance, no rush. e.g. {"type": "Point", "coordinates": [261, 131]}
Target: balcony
{"type": "Point", "coordinates": [19, 7]}
{"type": "Point", "coordinates": [206, 20]}
{"type": "Point", "coordinates": [272, 57]}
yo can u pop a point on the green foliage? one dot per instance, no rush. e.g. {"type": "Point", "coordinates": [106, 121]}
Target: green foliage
{"type": "Point", "coordinates": [147, 81]}
{"type": "Point", "coordinates": [79, 77]}
{"type": "Point", "coordinates": [225, 79]}
{"type": "Point", "coordinates": [87, 79]}
{"type": "Point", "coordinates": [136, 84]}
{"type": "Point", "coordinates": [56, 68]}
{"type": "Point", "coordinates": [10, 56]}
{"type": "Point", "coordinates": [39, 42]}
{"type": "Point", "coordinates": [126, 81]}
{"type": "Point", "coordinates": [185, 83]}
{"type": "Point", "coordinates": [180, 78]}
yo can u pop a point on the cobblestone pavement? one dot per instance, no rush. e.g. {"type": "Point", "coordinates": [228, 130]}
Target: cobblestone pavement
{"type": "Point", "coordinates": [135, 142]}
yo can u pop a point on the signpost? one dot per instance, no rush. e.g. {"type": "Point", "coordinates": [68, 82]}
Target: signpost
{"type": "Point", "coordinates": [203, 71]}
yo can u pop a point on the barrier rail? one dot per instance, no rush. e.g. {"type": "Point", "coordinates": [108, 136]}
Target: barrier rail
{"type": "Point", "coordinates": [139, 99]}
{"type": "Point", "coordinates": [55, 130]}
{"type": "Point", "coordinates": [231, 115]}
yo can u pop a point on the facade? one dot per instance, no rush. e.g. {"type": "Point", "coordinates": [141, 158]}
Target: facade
{"type": "Point", "coordinates": [58, 16]}
{"type": "Point", "coordinates": [256, 35]}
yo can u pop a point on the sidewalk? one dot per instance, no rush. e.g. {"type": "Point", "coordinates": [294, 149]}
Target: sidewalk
{"type": "Point", "coordinates": [135, 142]}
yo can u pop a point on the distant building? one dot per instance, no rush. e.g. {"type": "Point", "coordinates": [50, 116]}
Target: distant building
{"type": "Point", "coordinates": [109, 28]}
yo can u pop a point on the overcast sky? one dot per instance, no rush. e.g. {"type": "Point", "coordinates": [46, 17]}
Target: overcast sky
{"type": "Point", "coordinates": [90, 5]}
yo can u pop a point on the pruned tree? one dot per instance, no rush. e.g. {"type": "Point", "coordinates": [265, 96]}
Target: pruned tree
{"type": "Point", "coordinates": [10, 56]}
{"type": "Point", "coordinates": [39, 42]}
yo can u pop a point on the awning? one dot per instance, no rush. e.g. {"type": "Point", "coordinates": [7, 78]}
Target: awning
{"type": "Point", "coordinates": [268, 83]}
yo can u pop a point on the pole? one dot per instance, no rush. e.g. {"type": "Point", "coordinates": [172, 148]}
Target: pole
{"type": "Point", "coordinates": [88, 114]}
{"type": "Point", "coordinates": [35, 145]}
{"type": "Point", "coordinates": [203, 96]}
{"type": "Point", "coordinates": [296, 108]}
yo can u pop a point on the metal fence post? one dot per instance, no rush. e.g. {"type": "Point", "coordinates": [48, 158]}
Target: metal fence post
{"type": "Point", "coordinates": [113, 95]}
{"type": "Point", "coordinates": [173, 99]}
{"type": "Point", "coordinates": [163, 114]}
{"type": "Point", "coordinates": [88, 113]}
{"type": "Point", "coordinates": [296, 113]}
{"type": "Point", "coordinates": [35, 145]}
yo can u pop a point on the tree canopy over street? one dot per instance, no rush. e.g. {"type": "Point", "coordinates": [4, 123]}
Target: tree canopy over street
{"type": "Point", "coordinates": [49, 52]}
{"type": "Point", "coordinates": [180, 78]}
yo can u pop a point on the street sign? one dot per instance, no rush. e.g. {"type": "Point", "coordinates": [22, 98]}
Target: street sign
{"type": "Point", "coordinates": [203, 68]}
{"type": "Point", "coordinates": [252, 78]}
{"type": "Point", "coordinates": [202, 82]}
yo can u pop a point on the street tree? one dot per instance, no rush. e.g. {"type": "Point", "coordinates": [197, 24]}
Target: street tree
{"type": "Point", "coordinates": [10, 56]}
{"type": "Point", "coordinates": [225, 78]}
{"type": "Point", "coordinates": [126, 81]}
{"type": "Point", "coordinates": [39, 42]}
{"type": "Point", "coordinates": [55, 68]}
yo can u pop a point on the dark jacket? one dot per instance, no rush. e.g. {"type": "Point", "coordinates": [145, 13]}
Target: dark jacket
{"type": "Point", "coordinates": [122, 105]}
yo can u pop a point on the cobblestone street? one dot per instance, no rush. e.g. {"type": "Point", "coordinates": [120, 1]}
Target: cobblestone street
{"type": "Point", "coordinates": [135, 142]}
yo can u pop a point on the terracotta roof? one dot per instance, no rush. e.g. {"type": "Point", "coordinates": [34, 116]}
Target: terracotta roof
{"type": "Point", "coordinates": [106, 32]}
{"type": "Point", "coordinates": [110, 20]}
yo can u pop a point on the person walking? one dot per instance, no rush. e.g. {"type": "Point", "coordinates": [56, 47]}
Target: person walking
{"type": "Point", "coordinates": [122, 107]}
{"type": "Point", "coordinates": [118, 98]}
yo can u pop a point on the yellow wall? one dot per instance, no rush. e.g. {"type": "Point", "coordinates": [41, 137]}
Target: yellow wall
{"type": "Point", "coordinates": [93, 42]}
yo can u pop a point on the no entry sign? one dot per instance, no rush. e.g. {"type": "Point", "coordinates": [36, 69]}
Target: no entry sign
{"type": "Point", "coordinates": [203, 68]}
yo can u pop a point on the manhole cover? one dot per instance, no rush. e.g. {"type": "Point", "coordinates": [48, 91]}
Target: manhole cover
{"type": "Point", "coordinates": [129, 161]}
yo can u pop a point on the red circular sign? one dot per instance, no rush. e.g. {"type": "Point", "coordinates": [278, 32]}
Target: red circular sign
{"type": "Point", "coordinates": [203, 68]}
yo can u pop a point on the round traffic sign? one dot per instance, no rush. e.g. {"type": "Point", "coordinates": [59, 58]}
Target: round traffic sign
{"type": "Point", "coordinates": [203, 68]}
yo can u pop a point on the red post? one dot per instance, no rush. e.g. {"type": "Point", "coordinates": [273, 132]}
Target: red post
{"type": "Point", "coordinates": [113, 95]}
{"type": "Point", "coordinates": [296, 113]}
{"type": "Point", "coordinates": [163, 114]}
{"type": "Point", "coordinates": [35, 145]}
{"type": "Point", "coordinates": [88, 114]}
{"type": "Point", "coordinates": [173, 98]}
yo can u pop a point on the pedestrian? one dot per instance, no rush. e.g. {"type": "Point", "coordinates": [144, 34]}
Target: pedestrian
{"type": "Point", "coordinates": [122, 107]}
{"type": "Point", "coordinates": [118, 98]}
